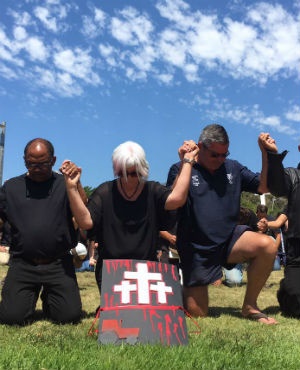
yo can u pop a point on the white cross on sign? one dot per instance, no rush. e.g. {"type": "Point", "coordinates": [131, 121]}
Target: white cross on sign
{"type": "Point", "coordinates": [142, 286]}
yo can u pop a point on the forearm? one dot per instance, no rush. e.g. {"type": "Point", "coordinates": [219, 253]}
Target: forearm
{"type": "Point", "coordinates": [178, 196]}
{"type": "Point", "coordinates": [79, 210]}
{"type": "Point", "coordinates": [279, 222]}
{"type": "Point", "coordinates": [263, 183]}
{"type": "Point", "coordinates": [276, 175]}
{"type": "Point", "coordinates": [82, 192]}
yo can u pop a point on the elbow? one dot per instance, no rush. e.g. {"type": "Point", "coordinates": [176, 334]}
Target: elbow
{"type": "Point", "coordinates": [85, 224]}
{"type": "Point", "coordinates": [174, 203]}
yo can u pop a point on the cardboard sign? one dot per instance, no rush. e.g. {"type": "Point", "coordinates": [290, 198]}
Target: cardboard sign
{"type": "Point", "coordinates": [141, 302]}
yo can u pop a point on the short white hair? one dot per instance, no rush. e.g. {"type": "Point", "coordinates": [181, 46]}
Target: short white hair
{"type": "Point", "coordinates": [130, 154]}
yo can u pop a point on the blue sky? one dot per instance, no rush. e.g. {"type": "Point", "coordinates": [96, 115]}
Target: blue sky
{"type": "Point", "coordinates": [90, 75]}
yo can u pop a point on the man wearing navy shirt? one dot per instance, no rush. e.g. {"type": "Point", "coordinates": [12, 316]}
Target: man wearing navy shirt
{"type": "Point", "coordinates": [208, 234]}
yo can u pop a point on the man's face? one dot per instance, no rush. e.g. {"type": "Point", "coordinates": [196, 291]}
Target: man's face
{"type": "Point", "coordinates": [38, 162]}
{"type": "Point", "coordinates": [213, 156]}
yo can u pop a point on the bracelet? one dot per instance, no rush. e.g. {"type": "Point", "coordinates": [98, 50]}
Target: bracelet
{"type": "Point", "coordinates": [189, 160]}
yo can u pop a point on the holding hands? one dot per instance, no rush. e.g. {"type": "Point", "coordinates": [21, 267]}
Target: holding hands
{"type": "Point", "coordinates": [266, 142]}
{"type": "Point", "coordinates": [262, 225]}
{"type": "Point", "coordinates": [71, 172]}
{"type": "Point", "coordinates": [189, 150]}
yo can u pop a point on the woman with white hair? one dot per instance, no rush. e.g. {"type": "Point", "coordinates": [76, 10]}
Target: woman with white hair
{"type": "Point", "coordinates": [126, 214]}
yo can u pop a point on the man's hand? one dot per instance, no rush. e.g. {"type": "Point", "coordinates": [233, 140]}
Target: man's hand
{"type": "Point", "coordinates": [188, 146]}
{"type": "Point", "coordinates": [71, 172]}
{"type": "Point", "coordinates": [266, 142]}
{"type": "Point", "coordinates": [262, 225]}
{"type": "Point", "coordinates": [3, 249]}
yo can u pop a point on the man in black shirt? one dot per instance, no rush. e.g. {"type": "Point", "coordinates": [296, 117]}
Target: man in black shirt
{"type": "Point", "coordinates": [36, 206]}
{"type": "Point", "coordinates": [285, 181]}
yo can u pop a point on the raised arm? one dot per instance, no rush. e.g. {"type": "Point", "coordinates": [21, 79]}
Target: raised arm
{"type": "Point", "coordinates": [75, 194]}
{"type": "Point", "coordinates": [277, 181]}
{"type": "Point", "coordinates": [188, 154]}
{"type": "Point", "coordinates": [266, 143]}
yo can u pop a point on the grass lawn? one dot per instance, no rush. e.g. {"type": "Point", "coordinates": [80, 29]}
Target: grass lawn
{"type": "Point", "coordinates": [225, 341]}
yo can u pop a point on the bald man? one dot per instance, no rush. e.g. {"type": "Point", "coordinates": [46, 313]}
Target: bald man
{"type": "Point", "coordinates": [36, 206]}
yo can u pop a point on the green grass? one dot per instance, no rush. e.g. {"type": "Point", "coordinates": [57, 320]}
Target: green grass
{"type": "Point", "coordinates": [225, 341]}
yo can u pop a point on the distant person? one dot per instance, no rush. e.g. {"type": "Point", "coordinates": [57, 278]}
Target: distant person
{"type": "Point", "coordinates": [285, 182]}
{"type": "Point", "coordinates": [5, 240]}
{"type": "Point", "coordinates": [280, 223]}
{"type": "Point", "coordinates": [208, 234]}
{"type": "Point", "coordinates": [127, 213]}
{"type": "Point", "coordinates": [36, 206]}
{"type": "Point", "coordinates": [89, 262]}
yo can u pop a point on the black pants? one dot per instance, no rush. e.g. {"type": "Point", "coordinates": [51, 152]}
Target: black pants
{"type": "Point", "coordinates": [25, 281]}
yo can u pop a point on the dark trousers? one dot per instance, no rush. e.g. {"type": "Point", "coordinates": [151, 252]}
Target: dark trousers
{"type": "Point", "coordinates": [57, 283]}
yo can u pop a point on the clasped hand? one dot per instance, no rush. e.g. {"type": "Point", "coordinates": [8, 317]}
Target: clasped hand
{"type": "Point", "coordinates": [188, 146]}
{"type": "Point", "coordinates": [70, 171]}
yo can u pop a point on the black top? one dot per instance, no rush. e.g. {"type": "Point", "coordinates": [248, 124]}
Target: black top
{"type": "Point", "coordinates": [286, 182]}
{"type": "Point", "coordinates": [39, 215]}
{"type": "Point", "coordinates": [128, 229]}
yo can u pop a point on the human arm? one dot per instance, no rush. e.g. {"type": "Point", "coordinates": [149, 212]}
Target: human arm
{"type": "Point", "coordinates": [79, 210]}
{"type": "Point", "coordinates": [187, 153]}
{"type": "Point", "coordinates": [92, 249]}
{"type": "Point", "coordinates": [279, 222]}
{"type": "Point", "coordinates": [266, 143]}
{"type": "Point", "coordinates": [82, 192]}
{"type": "Point", "coordinates": [171, 238]}
{"type": "Point", "coordinates": [272, 169]}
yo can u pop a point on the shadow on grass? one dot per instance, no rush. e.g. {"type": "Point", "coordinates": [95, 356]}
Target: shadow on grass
{"type": "Point", "coordinates": [236, 312]}
{"type": "Point", "coordinates": [39, 315]}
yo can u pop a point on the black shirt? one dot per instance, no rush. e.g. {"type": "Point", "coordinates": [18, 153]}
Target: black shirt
{"type": "Point", "coordinates": [39, 215]}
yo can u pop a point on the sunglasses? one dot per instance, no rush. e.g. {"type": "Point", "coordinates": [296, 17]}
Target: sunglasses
{"type": "Point", "coordinates": [132, 174]}
{"type": "Point", "coordinates": [217, 155]}
{"type": "Point", "coordinates": [31, 165]}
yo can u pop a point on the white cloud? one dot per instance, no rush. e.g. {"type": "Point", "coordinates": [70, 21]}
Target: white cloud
{"type": "Point", "coordinates": [109, 53]}
{"type": "Point", "coordinates": [100, 17]}
{"type": "Point", "coordinates": [59, 83]}
{"type": "Point", "coordinates": [93, 25]}
{"type": "Point", "coordinates": [11, 48]}
{"type": "Point", "coordinates": [6, 72]}
{"type": "Point", "coordinates": [20, 33]}
{"type": "Point", "coordinates": [43, 14]}
{"type": "Point", "coordinates": [131, 28]}
{"type": "Point", "coordinates": [265, 44]}
{"type": "Point", "coordinates": [261, 43]}
{"type": "Point", "coordinates": [8, 51]}
{"type": "Point", "coordinates": [20, 18]}
{"type": "Point", "coordinates": [293, 114]}
{"type": "Point", "coordinates": [36, 49]}
{"type": "Point", "coordinates": [172, 48]}
{"type": "Point", "coordinates": [166, 78]}
{"type": "Point", "coordinates": [217, 108]}
{"type": "Point", "coordinates": [52, 14]}
{"type": "Point", "coordinates": [77, 63]}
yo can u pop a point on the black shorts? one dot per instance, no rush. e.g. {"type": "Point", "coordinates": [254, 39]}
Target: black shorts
{"type": "Point", "coordinates": [202, 265]}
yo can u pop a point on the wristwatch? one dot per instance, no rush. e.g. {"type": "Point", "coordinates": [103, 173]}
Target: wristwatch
{"type": "Point", "coordinates": [189, 160]}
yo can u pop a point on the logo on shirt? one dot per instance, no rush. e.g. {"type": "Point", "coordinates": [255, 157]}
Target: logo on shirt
{"type": "Point", "coordinates": [230, 178]}
{"type": "Point", "coordinates": [195, 180]}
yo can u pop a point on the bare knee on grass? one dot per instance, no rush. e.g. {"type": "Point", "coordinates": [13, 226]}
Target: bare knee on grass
{"type": "Point", "coordinates": [196, 300]}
